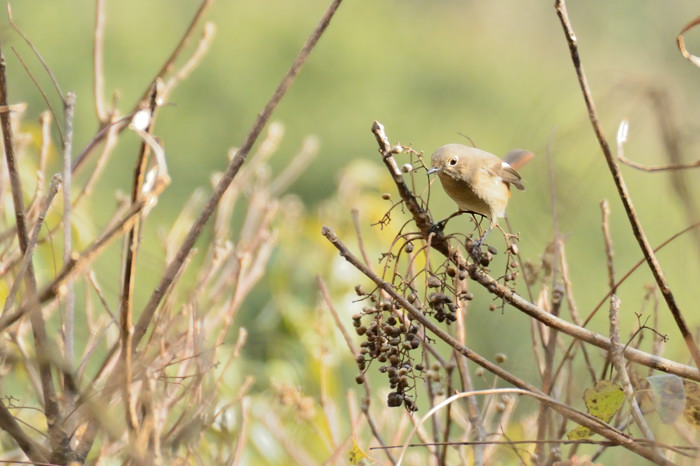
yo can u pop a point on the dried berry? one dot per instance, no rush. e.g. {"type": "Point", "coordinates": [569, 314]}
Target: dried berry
{"type": "Point", "coordinates": [394, 399]}
{"type": "Point", "coordinates": [434, 282]}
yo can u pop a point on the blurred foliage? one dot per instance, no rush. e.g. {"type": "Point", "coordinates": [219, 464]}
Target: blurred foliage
{"type": "Point", "coordinates": [497, 72]}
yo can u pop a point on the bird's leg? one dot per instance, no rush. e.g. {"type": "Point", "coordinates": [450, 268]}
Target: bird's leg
{"type": "Point", "coordinates": [476, 249]}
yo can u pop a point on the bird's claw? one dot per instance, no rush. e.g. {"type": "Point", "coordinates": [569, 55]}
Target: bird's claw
{"type": "Point", "coordinates": [438, 227]}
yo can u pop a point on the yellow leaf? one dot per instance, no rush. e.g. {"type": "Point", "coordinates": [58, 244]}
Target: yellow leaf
{"type": "Point", "coordinates": [602, 401]}
{"type": "Point", "coordinates": [356, 455]}
{"type": "Point", "coordinates": [692, 403]}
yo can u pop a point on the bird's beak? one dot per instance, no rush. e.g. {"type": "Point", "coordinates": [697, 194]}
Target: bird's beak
{"type": "Point", "coordinates": [433, 170]}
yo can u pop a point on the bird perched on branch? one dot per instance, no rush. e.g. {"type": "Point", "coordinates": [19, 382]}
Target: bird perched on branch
{"type": "Point", "coordinates": [478, 181]}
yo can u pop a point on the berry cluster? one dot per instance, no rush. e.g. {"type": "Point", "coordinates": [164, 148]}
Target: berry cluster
{"type": "Point", "coordinates": [389, 340]}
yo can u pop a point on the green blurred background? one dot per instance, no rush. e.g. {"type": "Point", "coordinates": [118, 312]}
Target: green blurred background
{"type": "Point", "coordinates": [498, 72]}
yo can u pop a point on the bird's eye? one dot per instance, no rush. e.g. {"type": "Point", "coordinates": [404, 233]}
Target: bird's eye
{"type": "Point", "coordinates": [453, 162]}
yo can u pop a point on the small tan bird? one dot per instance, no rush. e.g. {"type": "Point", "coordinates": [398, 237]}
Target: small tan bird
{"type": "Point", "coordinates": [479, 182]}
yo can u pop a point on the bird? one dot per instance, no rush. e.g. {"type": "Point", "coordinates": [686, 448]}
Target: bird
{"type": "Point", "coordinates": [478, 181]}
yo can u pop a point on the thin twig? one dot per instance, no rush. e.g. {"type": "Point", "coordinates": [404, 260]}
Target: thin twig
{"type": "Point", "coordinates": [681, 43]}
{"type": "Point", "coordinates": [170, 61]}
{"type": "Point", "coordinates": [609, 252]}
{"type": "Point", "coordinates": [36, 52]}
{"type": "Point", "coordinates": [27, 256]}
{"type": "Point", "coordinates": [618, 361]}
{"type": "Point", "coordinates": [35, 451]}
{"type": "Point", "coordinates": [51, 408]}
{"type": "Point", "coordinates": [98, 80]}
{"type": "Point", "coordinates": [657, 168]}
{"type": "Point", "coordinates": [203, 46]}
{"type": "Point", "coordinates": [129, 268]}
{"type": "Point", "coordinates": [41, 91]}
{"type": "Point", "coordinates": [69, 298]}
